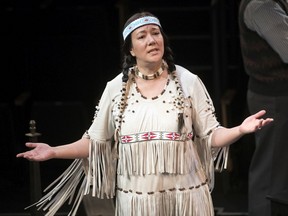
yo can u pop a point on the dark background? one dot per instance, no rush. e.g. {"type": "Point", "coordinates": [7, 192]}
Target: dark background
{"type": "Point", "coordinates": [56, 57]}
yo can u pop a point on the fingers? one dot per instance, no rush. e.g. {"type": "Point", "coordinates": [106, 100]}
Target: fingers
{"type": "Point", "coordinates": [20, 155]}
{"type": "Point", "coordinates": [30, 157]}
{"type": "Point", "coordinates": [27, 153]}
{"type": "Point", "coordinates": [263, 122]}
{"type": "Point", "coordinates": [267, 121]}
{"type": "Point", "coordinates": [31, 145]}
{"type": "Point", "coordinates": [259, 114]}
{"type": "Point", "coordinates": [260, 124]}
{"type": "Point", "coordinates": [24, 154]}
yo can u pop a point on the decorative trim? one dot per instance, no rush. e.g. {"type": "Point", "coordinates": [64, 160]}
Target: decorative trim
{"type": "Point", "coordinates": [155, 135]}
{"type": "Point", "coordinates": [163, 191]}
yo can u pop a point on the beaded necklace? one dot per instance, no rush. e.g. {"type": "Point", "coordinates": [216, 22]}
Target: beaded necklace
{"type": "Point", "coordinates": [149, 76]}
{"type": "Point", "coordinates": [155, 97]}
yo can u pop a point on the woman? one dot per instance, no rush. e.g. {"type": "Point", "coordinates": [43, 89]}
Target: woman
{"type": "Point", "coordinates": [155, 133]}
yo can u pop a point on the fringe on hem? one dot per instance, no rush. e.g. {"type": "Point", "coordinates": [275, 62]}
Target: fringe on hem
{"type": "Point", "coordinates": [172, 203]}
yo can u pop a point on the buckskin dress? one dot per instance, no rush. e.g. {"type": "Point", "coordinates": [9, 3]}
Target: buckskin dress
{"type": "Point", "coordinates": [150, 166]}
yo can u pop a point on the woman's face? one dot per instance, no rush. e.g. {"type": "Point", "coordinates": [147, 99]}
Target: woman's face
{"type": "Point", "coordinates": [147, 44]}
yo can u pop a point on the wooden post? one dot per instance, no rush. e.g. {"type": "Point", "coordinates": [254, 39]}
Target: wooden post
{"type": "Point", "coordinates": [34, 168]}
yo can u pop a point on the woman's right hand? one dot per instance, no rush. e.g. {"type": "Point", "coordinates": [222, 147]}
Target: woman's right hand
{"type": "Point", "coordinates": [40, 152]}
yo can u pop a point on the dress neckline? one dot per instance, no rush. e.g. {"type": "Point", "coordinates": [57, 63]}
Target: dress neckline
{"type": "Point", "coordinates": [155, 97]}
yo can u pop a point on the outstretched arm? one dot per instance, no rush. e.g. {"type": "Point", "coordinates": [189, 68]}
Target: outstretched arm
{"type": "Point", "coordinates": [225, 136]}
{"type": "Point", "coordinates": [43, 151]}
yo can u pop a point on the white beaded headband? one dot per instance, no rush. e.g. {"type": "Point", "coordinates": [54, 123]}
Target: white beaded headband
{"type": "Point", "coordinates": [140, 22]}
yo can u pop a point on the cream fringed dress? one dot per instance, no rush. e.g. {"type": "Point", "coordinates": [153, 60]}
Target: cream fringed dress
{"type": "Point", "coordinates": [160, 171]}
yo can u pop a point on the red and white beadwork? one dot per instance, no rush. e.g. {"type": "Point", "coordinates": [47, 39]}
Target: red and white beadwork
{"type": "Point", "coordinates": [155, 135]}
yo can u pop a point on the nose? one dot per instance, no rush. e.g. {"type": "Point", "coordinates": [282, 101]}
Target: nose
{"type": "Point", "coordinates": [150, 40]}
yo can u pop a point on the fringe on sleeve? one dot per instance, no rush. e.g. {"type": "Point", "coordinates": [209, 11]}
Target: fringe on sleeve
{"type": "Point", "coordinates": [96, 173]}
{"type": "Point", "coordinates": [204, 122]}
{"type": "Point", "coordinates": [101, 170]}
{"type": "Point", "coordinates": [211, 158]}
{"type": "Point", "coordinates": [64, 188]}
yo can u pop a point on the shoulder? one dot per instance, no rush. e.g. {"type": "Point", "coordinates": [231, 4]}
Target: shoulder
{"type": "Point", "coordinates": [116, 82]}
{"type": "Point", "coordinates": [114, 86]}
{"type": "Point", "coordinates": [260, 12]}
{"type": "Point", "coordinates": [189, 81]}
{"type": "Point", "coordinates": [258, 6]}
{"type": "Point", "coordinates": [184, 75]}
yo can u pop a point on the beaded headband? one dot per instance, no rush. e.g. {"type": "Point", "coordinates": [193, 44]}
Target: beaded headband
{"type": "Point", "coordinates": [140, 22]}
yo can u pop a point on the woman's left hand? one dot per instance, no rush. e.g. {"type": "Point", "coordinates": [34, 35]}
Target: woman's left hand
{"type": "Point", "coordinates": [254, 122]}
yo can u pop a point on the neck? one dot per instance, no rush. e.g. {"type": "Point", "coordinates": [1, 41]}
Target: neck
{"type": "Point", "coordinates": [150, 76]}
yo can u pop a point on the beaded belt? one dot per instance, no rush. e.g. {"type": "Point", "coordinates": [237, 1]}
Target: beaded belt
{"type": "Point", "coordinates": [164, 191]}
{"type": "Point", "coordinates": [155, 135]}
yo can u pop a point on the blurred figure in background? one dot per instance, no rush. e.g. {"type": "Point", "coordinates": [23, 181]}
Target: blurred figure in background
{"type": "Point", "coordinates": [263, 26]}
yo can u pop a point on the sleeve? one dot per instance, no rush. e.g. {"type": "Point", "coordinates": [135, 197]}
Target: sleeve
{"type": "Point", "coordinates": [96, 173]}
{"type": "Point", "coordinates": [102, 128]}
{"type": "Point", "coordinates": [270, 21]}
{"type": "Point", "coordinates": [101, 167]}
{"type": "Point", "coordinates": [204, 122]}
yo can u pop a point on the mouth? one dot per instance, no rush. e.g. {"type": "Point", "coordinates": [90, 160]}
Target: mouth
{"type": "Point", "coordinates": [153, 50]}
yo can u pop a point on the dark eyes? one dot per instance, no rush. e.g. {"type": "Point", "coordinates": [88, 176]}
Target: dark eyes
{"type": "Point", "coordinates": [144, 35]}
{"type": "Point", "coordinates": [156, 33]}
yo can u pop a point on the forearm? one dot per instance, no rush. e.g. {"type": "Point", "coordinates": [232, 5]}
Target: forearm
{"type": "Point", "coordinates": [225, 136]}
{"type": "Point", "coordinates": [78, 149]}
